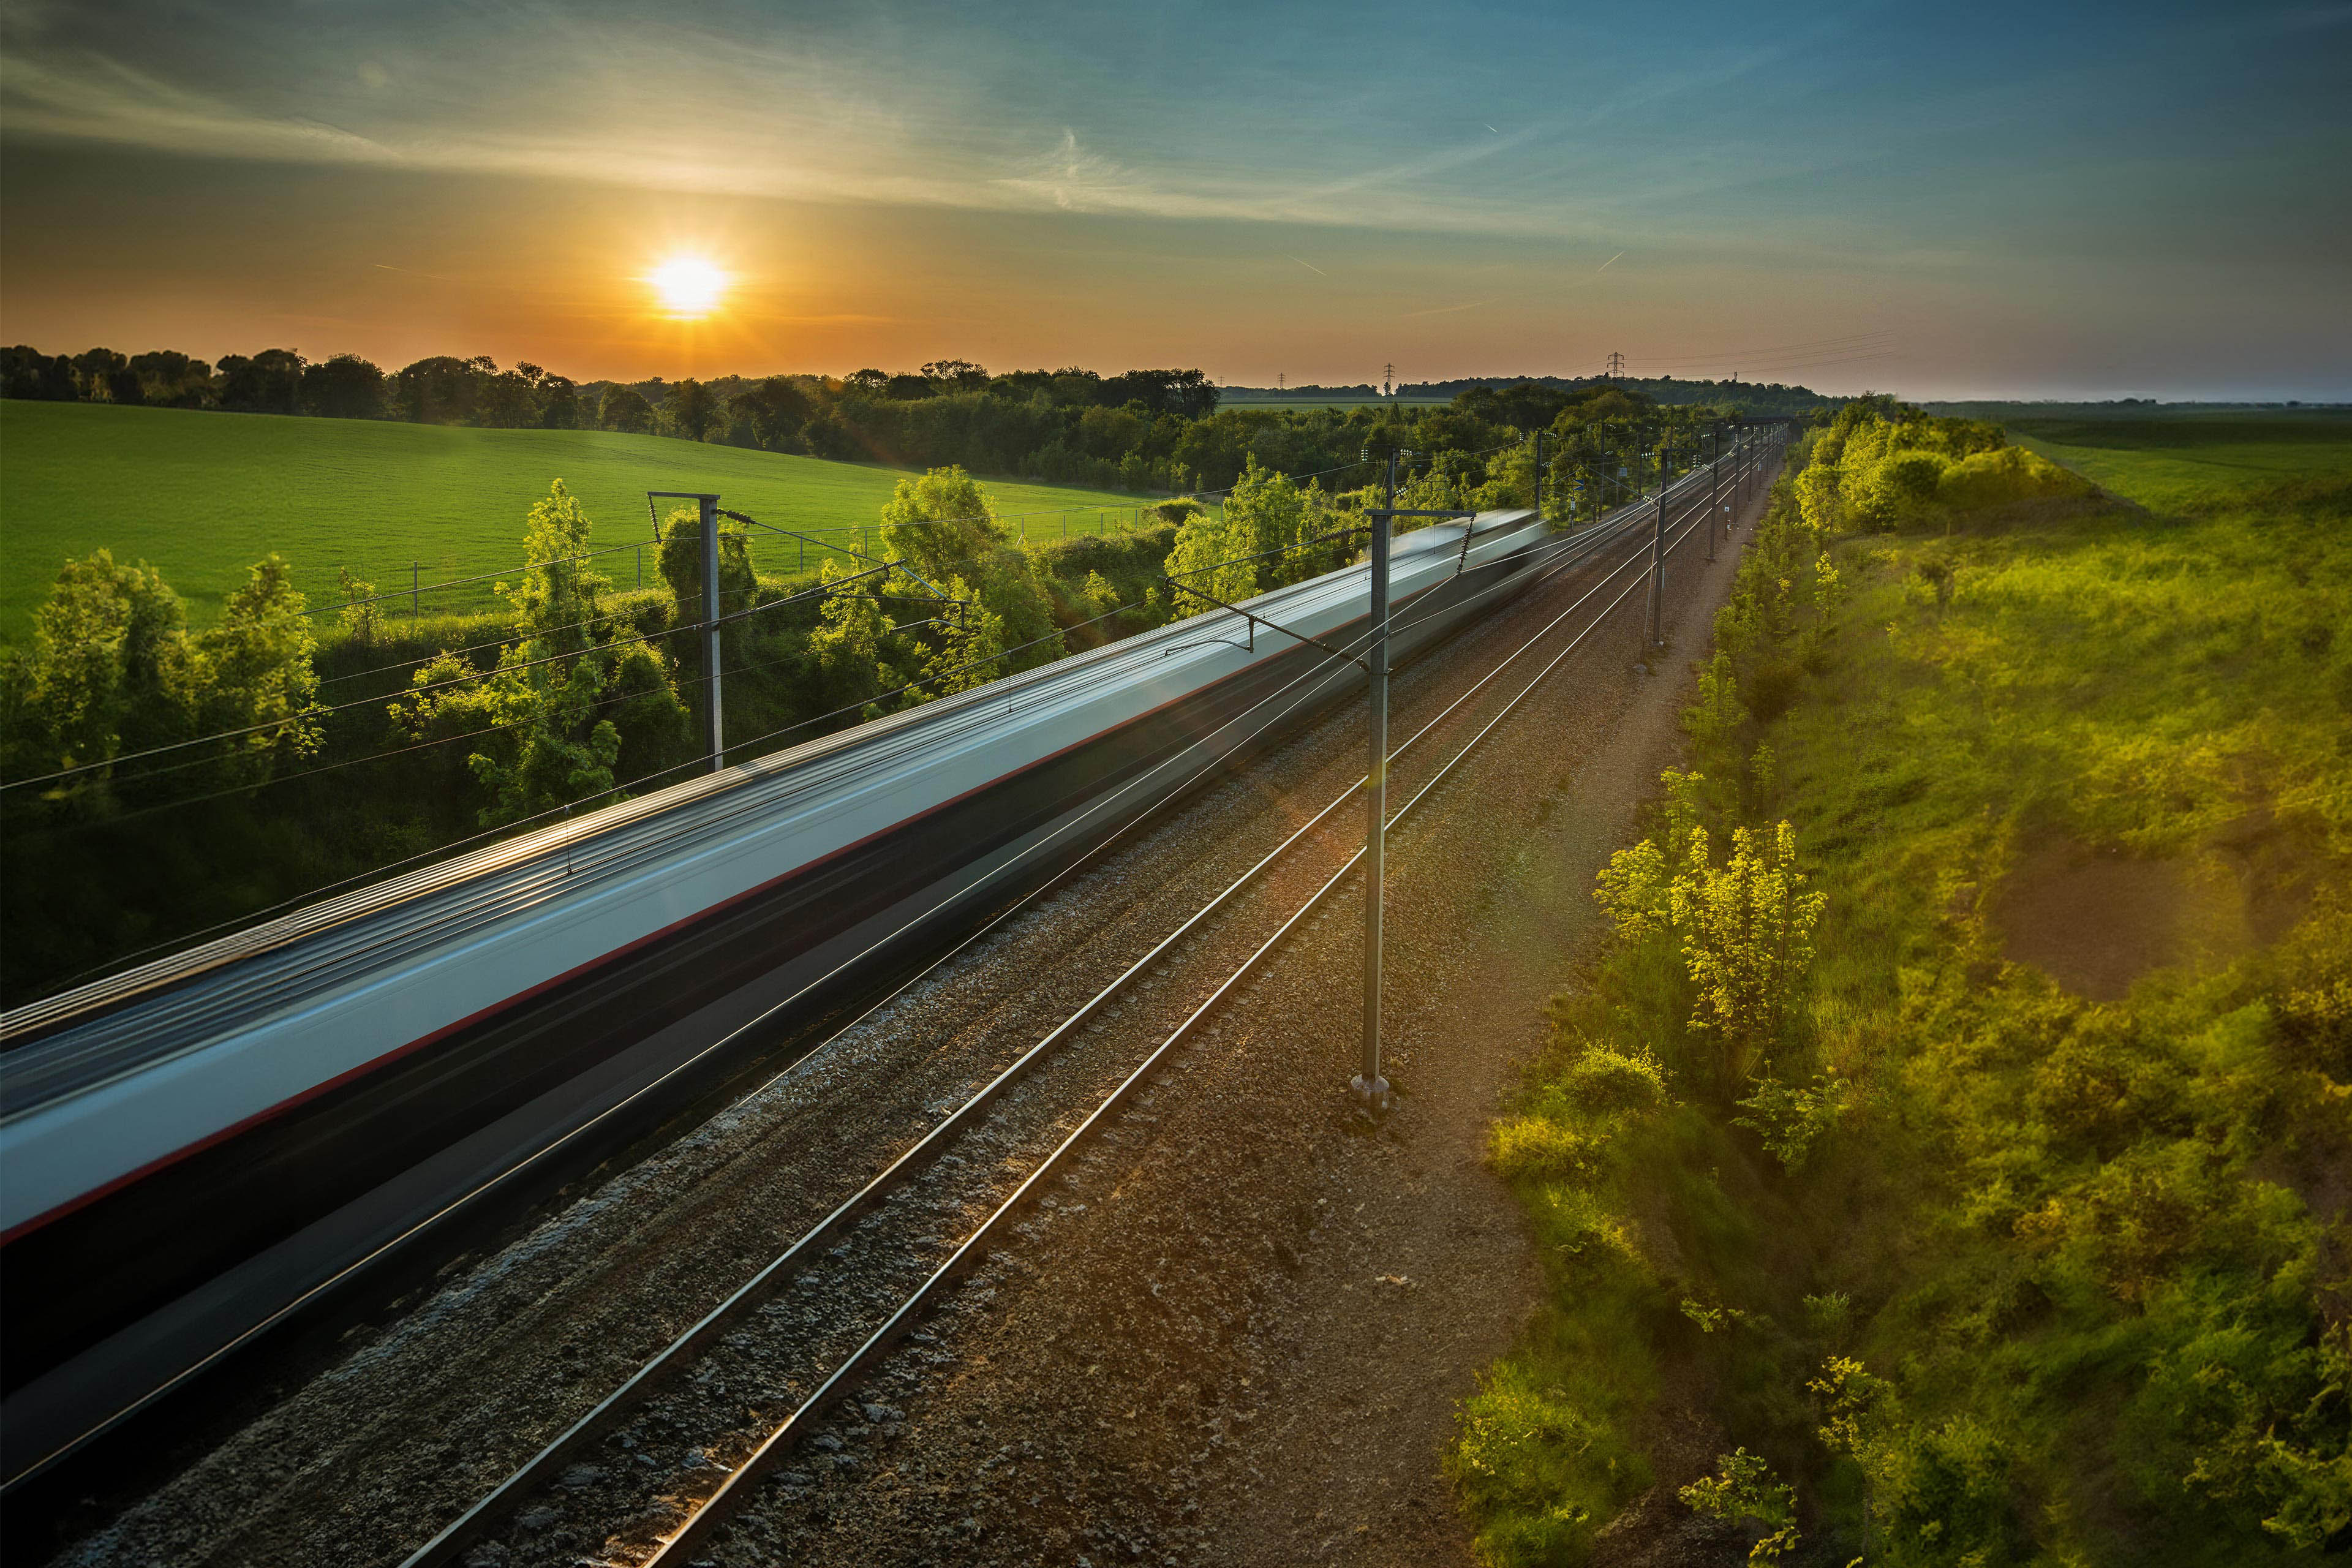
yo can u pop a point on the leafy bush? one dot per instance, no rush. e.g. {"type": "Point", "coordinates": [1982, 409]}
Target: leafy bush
{"type": "Point", "coordinates": [1744, 1488]}
{"type": "Point", "coordinates": [1987, 480]}
{"type": "Point", "coordinates": [1546, 1470]}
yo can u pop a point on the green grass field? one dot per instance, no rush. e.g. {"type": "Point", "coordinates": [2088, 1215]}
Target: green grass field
{"type": "Point", "coordinates": [202, 496]}
{"type": "Point", "coordinates": [2163, 461]}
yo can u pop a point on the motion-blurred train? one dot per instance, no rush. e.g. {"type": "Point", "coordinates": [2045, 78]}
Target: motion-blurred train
{"type": "Point", "coordinates": [191, 1148]}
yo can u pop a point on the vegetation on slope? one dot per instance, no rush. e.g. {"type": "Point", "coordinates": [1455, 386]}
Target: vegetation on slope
{"type": "Point", "coordinates": [1963, 1264]}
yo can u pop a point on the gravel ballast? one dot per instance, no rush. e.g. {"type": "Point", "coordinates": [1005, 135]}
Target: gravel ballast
{"type": "Point", "coordinates": [1237, 1334]}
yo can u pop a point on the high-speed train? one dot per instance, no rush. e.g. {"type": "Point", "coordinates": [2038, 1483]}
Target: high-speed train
{"type": "Point", "coordinates": [191, 1148]}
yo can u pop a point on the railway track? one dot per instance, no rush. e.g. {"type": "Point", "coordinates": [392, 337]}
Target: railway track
{"type": "Point", "coordinates": [650, 1471]}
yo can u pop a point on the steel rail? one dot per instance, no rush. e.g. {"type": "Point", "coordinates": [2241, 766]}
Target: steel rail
{"type": "Point", "coordinates": [935, 1144]}
{"type": "Point", "coordinates": [694, 1531]}
{"type": "Point", "coordinates": [552, 1457]}
{"type": "Point", "coordinates": [526, 1162]}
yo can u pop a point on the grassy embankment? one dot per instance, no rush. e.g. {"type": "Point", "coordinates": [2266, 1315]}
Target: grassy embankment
{"type": "Point", "coordinates": [202, 496]}
{"type": "Point", "coordinates": [2033, 1247]}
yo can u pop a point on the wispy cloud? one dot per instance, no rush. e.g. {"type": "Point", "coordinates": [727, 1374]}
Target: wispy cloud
{"type": "Point", "coordinates": [1449, 310]}
{"type": "Point", "coordinates": [1311, 268]}
{"type": "Point", "coordinates": [764, 125]}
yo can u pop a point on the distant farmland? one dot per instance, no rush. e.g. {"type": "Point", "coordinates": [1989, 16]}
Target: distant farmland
{"type": "Point", "coordinates": [202, 496]}
{"type": "Point", "coordinates": [2164, 460]}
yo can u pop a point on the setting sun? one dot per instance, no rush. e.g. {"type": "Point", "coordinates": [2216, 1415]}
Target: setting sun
{"type": "Point", "coordinates": [688, 285]}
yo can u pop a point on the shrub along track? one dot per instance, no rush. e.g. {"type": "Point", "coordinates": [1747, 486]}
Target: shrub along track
{"type": "Point", "coordinates": [410, 1429]}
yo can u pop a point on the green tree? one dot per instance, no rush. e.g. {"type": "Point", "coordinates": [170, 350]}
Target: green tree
{"type": "Point", "coordinates": [1897, 490]}
{"type": "Point", "coordinates": [679, 561]}
{"type": "Point", "coordinates": [438, 391]}
{"type": "Point", "coordinates": [692, 409]}
{"type": "Point", "coordinates": [559, 407]}
{"type": "Point", "coordinates": [944, 527]}
{"type": "Point", "coordinates": [625, 409]}
{"type": "Point", "coordinates": [1208, 559]}
{"type": "Point", "coordinates": [777, 409]}
{"type": "Point", "coordinates": [941, 525]}
{"type": "Point", "coordinates": [575, 693]}
{"type": "Point", "coordinates": [96, 672]}
{"type": "Point", "coordinates": [970, 653]}
{"type": "Point", "coordinates": [847, 645]}
{"type": "Point", "coordinates": [252, 669]}
{"type": "Point", "coordinates": [113, 670]}
{"type": "Point", "coordinates": [95, 369]}
{"type": "Point", "coordinates": [268, 382]}
{"type": "Point", "coordinates": [1748, 940]}
{"type": "Point", "coordinates": [509, 399]}
{"type": "Point", "coordinates": [361, 609]}
{"type": "Point", "coordinates": [344, 388]}
{"type": "Point", "coordinates": [1744, 1487]}
{"type": "Point", "coordinates": [1263, 512]}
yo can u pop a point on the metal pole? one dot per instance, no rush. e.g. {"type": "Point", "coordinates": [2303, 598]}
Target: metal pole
{"type": "Point", "coordinates": [1539, 476]}
{"type": "Point", "coordinates": [1713, 483]}
{"type": "Point", "coordinates": [416, 603]}
{"type": "Point", "coordinates": [1658, 557]}
{"type": "Point", "coordinates": [708, 506]}
{"type": "Point", "coordinates": [1372, 1090]}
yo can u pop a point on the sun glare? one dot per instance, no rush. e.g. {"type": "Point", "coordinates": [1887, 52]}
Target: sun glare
{"type": "Point", "coordinates": [688, 285]}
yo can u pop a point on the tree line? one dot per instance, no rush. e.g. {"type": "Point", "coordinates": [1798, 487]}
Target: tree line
{"type": "Point", "coordinates": [1766, 398]}
{"type": "Point", "coordinates": [1142, 430]}
{"type": "Point", "coordinates": [437, 391]}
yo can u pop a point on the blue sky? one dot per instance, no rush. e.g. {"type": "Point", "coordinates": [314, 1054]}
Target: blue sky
{"type": "Point", "coordinates": [2094, 200]}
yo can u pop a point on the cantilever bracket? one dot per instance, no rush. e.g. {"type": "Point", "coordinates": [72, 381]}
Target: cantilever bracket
{"type": "Point", "coordinates": [1391, 512]}
{"type": "Point", "coordinates": [1258, 621]}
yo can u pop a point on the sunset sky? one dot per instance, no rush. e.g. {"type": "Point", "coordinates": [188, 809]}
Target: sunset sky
{"type": "Point", "coordinates": [1948, 201]}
